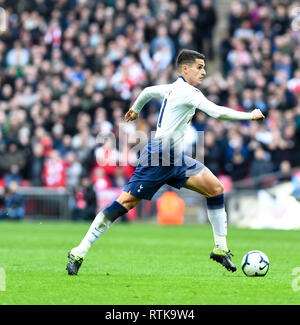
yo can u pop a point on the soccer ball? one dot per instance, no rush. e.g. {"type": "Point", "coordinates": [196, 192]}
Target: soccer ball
{"type": "Point", "coordinates": [255, 263]}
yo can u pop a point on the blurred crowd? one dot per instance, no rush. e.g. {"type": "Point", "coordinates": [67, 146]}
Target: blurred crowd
{"type": "Point", "coordinates": [260, 55]}
{"type": "Point", "coordinates": [70, 69]}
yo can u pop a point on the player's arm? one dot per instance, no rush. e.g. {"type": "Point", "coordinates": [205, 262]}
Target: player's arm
{"type": "Point", "coordinates": [144, 97]}
{"type": "Point", "coordinates": [225, 113]}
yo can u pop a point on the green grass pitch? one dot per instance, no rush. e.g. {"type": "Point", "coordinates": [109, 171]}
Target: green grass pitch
{"type": "Point", "coordinates": [143, 264]}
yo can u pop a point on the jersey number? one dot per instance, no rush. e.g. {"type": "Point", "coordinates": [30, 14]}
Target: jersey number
{"type": "Point", "coordinates": [162, 112]}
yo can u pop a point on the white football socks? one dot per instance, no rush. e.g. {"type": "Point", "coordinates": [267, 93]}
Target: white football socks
{"type": "Point", "coordinates": [218, 220]}
{"type": "Point", "coordinates": [98, 227]}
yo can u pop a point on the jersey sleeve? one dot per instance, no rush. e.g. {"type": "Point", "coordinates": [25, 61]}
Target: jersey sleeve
{"type": "Point", "coordinates": [216, 111]}
{"type": "Point", "coordinates": [147, 94]}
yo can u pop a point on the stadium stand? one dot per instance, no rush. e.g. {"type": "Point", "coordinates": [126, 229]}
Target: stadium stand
{"type": "Point", "coordinates": [71, 68]}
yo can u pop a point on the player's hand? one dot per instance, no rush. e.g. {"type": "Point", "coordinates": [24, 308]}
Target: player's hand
{"type": "Point", "coordinates": [257, 115]}
{"type": "Point", "coordinates": [131, 115]}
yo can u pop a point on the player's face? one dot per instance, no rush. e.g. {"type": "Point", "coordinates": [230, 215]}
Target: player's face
{"type": "Point", "coordinates": [195, 73]}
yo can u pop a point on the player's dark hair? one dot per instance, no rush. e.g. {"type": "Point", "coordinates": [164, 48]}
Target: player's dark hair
{"type": "Point", "coordinates": [188, 57]}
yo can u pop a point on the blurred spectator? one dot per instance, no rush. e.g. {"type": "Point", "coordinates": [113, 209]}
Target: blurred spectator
{"type": "Point", "coordinates": [82, 143]}
{"type": "Point", "coordinates": [54, 171]}
{"type": "Point", "coordinates": [162, 42]}
{"type": "Point", "coordinates": [212, 152]}
{"type": "Point", "coordinates": [66, 145]}
{"type": "Point", "coordinates": [17, 56]}
{"type": "Point", "coordinates": [239, 167]}
{"type": "Point", "coordinates": [261, 164]}
{"type": "Point", "coordinates": [235, 145]}
{"type": "Point", "coordinates": [74, 169]}
{"type": "Point", "coordinates": [100, 179]}
{"type": "Point", "coordinates": [285, 171]}
{"type": "Point", "coordinates": [13, 162]}
{"type": "Point", "coordinates": [205, 23]}
{"type": "Point", "coordinates": [57, 136]}
{"type": "Point", "coordinates": [100, 122]}
{"type": "Point", "coordinates": [36, 165]}
{"type": "Point", "coordinates": [119, 178]}
{"type": "Point", "coordinates": [85, 200]}
{"type": "Point", "coordinates": [107, 157]}
{"type": "Point", "coordinates": [14, 204]}
{"type": "Point", "coordinates": [47, 143]}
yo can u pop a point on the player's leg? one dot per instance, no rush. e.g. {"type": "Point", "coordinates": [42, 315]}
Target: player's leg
{"type": "Point", "coordinates": [99, 226]}
{"type": "Point", "coordinates": [206, 183]}
{"type": "Point", "coordinates": [105, 218]}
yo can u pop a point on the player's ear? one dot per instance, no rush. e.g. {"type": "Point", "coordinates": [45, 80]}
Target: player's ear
{"type": "Point", "coordinates": [184, 68]}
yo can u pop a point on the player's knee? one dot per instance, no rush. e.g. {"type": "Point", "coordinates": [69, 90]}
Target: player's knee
{"type": "Point", "coordinates": [128, 202]}
{"type": "Point", "coordinates": [217, 189]}
{"type": "Point", "coordinates": [129, 205]}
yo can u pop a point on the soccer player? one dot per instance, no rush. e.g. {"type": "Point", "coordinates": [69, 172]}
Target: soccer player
{"type": "Point", "coordinates": [162, 160]}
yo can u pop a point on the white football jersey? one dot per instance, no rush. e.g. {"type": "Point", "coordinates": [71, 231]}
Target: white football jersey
{"type": "Point", "coordinates": [179, 103]}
